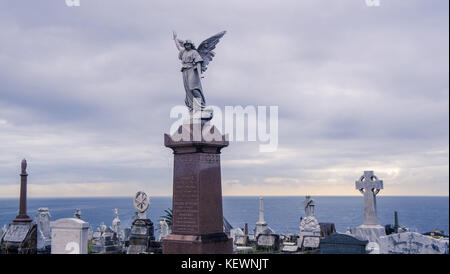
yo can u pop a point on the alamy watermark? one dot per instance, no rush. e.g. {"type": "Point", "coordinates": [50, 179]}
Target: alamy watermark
{"type": "Point", "coordinates": [235, 123]}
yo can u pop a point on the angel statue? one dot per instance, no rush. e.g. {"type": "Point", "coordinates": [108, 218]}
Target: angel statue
{"type": "Point", "coordinates": [194, 62]}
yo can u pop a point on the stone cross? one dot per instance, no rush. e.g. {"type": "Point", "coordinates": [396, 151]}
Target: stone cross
{"type": "Point", "coordinates": [369, 185]}
{"type": "Point", "coordinates": [23, 217]}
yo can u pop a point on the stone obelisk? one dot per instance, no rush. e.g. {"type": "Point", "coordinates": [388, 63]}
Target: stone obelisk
{"type": "Point", "coordinates": [21, 236]}
{"type": "Point", "coordinates": [261, 224]}
{"type": "Point", "coordinates": [197, 225]}
{"type": "Point", "coordinates": [23, 217]}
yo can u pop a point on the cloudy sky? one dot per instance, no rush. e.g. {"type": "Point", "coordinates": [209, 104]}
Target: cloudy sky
{"type": "Point", "coordinates": [86, 92]}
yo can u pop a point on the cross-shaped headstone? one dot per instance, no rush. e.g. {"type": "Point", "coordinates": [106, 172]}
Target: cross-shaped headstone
{"type": "Point", "coordinates": [369, 185]}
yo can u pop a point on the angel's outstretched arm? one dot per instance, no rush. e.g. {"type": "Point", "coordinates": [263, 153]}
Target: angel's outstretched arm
{"type": "Point", "coordinates": [177, 44]}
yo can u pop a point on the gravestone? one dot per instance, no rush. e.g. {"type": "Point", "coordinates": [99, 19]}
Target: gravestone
{"type": "Point", "coordinates": [44, 237]}
{"type": "Point", "coordinates": [69, 236]}
{"type": "Point", "coordinates": [21, 236]}
{"type": "Point", "coordinates": [309, 236]}
{"type": "Point", "coordinates": [141, 238]}
{"type": "Point", "coordinates": [326, 229]}
{"type": "Point", "coordinates": [412, 243]}
{"type": "Point", "coordinates": [197, 192]}
{"type": "Point", "coordinates": [110, 244]}
{"type": "Point", "coordinates": [369, 185]}
{"type": "Point", "coordinates": [268, 239]}
{"type": "Point", "coordinates": [342, 244]}
{"type": "Point", "coordinates": [97, 240]}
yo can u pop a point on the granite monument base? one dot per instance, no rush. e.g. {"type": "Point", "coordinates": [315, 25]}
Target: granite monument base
{"type": "Point", "coordinates": [371, 233]}
{"type": "Point", "coordinates": [142, 236]}
{"type": "Point", "coordinates": [197, 244]}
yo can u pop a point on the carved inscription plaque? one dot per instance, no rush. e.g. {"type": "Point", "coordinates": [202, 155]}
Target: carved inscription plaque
{"type": "Point", "coordinates": [186, 196]}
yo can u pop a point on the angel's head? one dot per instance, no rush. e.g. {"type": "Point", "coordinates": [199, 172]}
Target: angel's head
{"type": "Point", "coordinates": [188, 45]}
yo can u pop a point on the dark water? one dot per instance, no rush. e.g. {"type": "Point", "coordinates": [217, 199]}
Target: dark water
{"type": "Point", "coordinates": [281, 213]}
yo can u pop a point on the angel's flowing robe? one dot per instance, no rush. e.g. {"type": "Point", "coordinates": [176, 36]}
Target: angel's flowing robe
{"type": "Point", "coordinates": [191, 78]}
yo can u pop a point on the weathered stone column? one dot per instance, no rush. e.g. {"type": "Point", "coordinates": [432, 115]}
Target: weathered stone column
{"type": "Point", "coordinates": [23, 217]}
{"type": "Point", "coordinates": [197, 225]}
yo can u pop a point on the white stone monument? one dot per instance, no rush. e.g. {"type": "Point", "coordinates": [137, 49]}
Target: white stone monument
{"type": "Point", "coordinates": [369, 185]}
{"type": "Point", "coordinates": [69, 236]}
{"type": "Point", "coordinates": [44, 237]}
{"type": "Point", "coordinates": [412, 243]}
{"type": "Point", "coordinates": [261, 225]}
{"type": "Point", "coordinates": [116, 224]}
{"type": "Point", "coordinates": [309, 227]}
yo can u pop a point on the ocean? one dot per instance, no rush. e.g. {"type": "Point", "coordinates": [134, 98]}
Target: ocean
{"type": "Point", "coordinates": [421, 214]}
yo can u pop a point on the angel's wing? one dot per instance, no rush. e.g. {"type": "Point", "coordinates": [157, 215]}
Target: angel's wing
{"type": "Point", "coordinates": [206, 47]}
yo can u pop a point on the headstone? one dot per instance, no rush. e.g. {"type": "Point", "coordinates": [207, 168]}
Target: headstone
{"type": "Point", "coordinates": [21, 236]}
{"type": "Point", "coordinates": [267, 239]}
{"type": "Point", "coordinates": [342, 244]}
{"type": "Point", "coordinates": [197, 226]}
{"type": "Point", "coordinates": [326, 229]}
{"type": "Point", "coordinates": [44, 237]}
{"type": "Point", "coordinates": [309, 236]}
{"type": "Point", "coordinates": [289, 247]}
{"type": "Point", "coordinates": [412, 243]}
{"type": "Point", "coordinates": [98, 243]}
{"type": "Point", "coordinates": [110, 243]}
{"type": "Point", "coordinates": [236, 233]}
{"type": "Point", "coordinates": [141, 238]}
{"type": "Point", "coordinates": [69, 236]}
{"type": "Point", "coordinates": [369, 185]}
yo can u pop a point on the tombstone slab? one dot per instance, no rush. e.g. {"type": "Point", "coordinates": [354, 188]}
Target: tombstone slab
{"type": "Point", "coordinates": [69, 236]}
{"type": "Point", "coordinates": [338, 243]}
{"type": "Point", "coordinates": [412, 243]}
{"type": "Point", "coordinates": [197, 192]}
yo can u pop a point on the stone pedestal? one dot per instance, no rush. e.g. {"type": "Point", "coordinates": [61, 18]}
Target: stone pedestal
{"type": "Point", "coordinates": [20, 238]}
{"type": "Point", "coordinates": [197, 226]}
{"type": "Point", "coordinates": [69, 236]}
{"type": "Point", "coordinates": [309, 236]}
{"type": "Point", "coordinates": [371, 233]}
{"type": "Point", "coordinates": [141, 237]}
